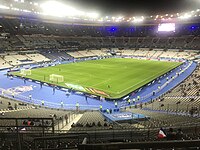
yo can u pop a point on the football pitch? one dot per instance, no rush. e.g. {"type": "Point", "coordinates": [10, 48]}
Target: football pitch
{"type": "Point", "coordinates": [111, 78]}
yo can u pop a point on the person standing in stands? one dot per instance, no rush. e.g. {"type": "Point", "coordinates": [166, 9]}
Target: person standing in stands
{"type": "Point", "coordinates": [15, 106]}
{"type": "Point", "coordinates": [66, 118]}
{"type": "Point", "coordinates": [159, 81]}
{"type": "Point", "coordinates": [86, 98]}
{"type": "Point", "coordinates": [100, 107]}
{"type": "Point", "coordinates": [13, 94]}
{"type": "Point", "coordinates": [24, 80]}
{"type": "Point", "coordinates": [54, 89]}
{"type": "Point", "coordinates": [2, 93]}
{"type": "Point", "coordinates": [159, 88]}
{"type": "Point", "coordinates": [138, 97]}
{"type": "Point", "coordinates": [154, 93]}
{"type": "Point", "coordinates": [42, 102]}
{"type": "Point", "coordinates": [40, 84]}
{"type": "Point", "coordinates": [133, 100]}
{"type": "Point", "coordinates": [115, 104]}
{"type": "Point", "coordinates": [77, 106]}
{"type": "Point", "coordinates": [129, 101]}
{"type": "Point", "coordinates": [61, 103]}
{"type": "Point", "coordinates": [108, 111]}
{"type": "Point", "coordinates": [30, 97]}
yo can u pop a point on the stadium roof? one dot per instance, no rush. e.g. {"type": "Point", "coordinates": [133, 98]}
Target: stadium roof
{"type": "Point", "coordinates": [105, 11]}
{"type": "Point", "coordinates": [136, 7]}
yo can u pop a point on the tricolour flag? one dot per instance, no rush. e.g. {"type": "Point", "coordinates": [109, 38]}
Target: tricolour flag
{"type": "Point", "coordinates": [161, 134]}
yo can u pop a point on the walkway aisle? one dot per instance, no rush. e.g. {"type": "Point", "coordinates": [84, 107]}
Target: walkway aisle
{"type": "Point", "coordinates": [68, 126]}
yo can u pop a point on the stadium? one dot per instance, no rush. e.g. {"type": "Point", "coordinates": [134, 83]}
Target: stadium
{"type": "Point", "coordinates": [74, 79]}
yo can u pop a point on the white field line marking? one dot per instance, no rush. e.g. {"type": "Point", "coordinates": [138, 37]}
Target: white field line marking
{"type": "Point", "coordinates": [144, 80]}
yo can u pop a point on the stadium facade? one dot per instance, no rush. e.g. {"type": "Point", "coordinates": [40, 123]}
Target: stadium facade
{"type": "Point", "coordinates": [45, 112]}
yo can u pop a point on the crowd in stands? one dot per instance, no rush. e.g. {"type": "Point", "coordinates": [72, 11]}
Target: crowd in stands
{"type": "Point", "coordinates": [177, 108]}
{"type": "Point", "coordinates": [35, 34]}
{"type": "Point", "coordinates": [183, 99]}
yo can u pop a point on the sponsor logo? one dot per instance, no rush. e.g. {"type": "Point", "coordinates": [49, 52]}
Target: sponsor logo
{"type": "Point", "coordinates": [19, 89]}
{"type": "Point", "coordinates": [95, 91]}
{"type": "Point", "coordinates": [75, 87]}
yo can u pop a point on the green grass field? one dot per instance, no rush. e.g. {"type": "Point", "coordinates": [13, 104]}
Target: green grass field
{"type": "Point", "coordinates": [122, 75]}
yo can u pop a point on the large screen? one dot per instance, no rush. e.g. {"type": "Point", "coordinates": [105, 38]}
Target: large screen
{"type": "Point", "coordinates": [166, 27]}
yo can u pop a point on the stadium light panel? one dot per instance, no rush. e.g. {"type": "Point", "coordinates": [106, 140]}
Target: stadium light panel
{"type": "Point", "coordinates": [57, 9]}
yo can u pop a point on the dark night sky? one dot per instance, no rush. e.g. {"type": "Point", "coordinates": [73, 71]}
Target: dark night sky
{"type": "Point", "coordinates": [134, 7]}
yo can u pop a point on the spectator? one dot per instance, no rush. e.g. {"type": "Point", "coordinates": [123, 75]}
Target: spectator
{"type": "Point", "coordinates": [115, 104]}
{"type": "Point", "coordinates": [87, 124]}
{"type": "Point", "coordinates": [30, 97]}
{"type": "Point", "coordinates": [171, 135]}
{"type": "Point", "coordinates": [55, 116]}
{"type": "Point", "coordinates": [3, 113]}
{"type": "Point", "coordinates": [77, 106]}
{"type": "Point", "coordinates": [179, 134]}
{"type": "Point", "coordinates": [73, 125]}
{"type": "Point", "coordinates": [61, 103]}
{"type": "Point", "coordinates": [110, 110]}
{"type": "Point", "coordinates": [105, 124]}
{"type": "Point", "coordinates": [110, 126]}
{"type": "Point", "coordinates": [99, 124]}
{"type": "Point", "coordinates": [93, 124]}
{"type": "Point", "coordinates": [42, 102]}
{"type": "Point", "coordinates": [13, 94]}
{"type": "Point", "coordinates": [15, 106]}
{"type": "Point", "coordinates": [100, 107]}
{"type": "Point", "coordinates": [66, 118]}
{"type": "Point", "coordinates": [129, 101]}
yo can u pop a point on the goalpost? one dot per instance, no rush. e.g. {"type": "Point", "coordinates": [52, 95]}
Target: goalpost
{"type": "Point", "coordinates": [25, 72]}
{"type": "Point", "coordinates": [56, 78]}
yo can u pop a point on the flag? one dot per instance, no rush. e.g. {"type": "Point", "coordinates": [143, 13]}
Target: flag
{"type": "Point", "coordinates": [161, 134]}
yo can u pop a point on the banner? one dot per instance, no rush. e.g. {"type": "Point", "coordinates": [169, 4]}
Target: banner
{"type": "Point", "coordinates": [95, 91]}
{"type": "Point", "coordinates": [75, 87]}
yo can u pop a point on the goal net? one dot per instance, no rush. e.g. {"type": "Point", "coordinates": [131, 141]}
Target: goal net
{"type": "Point", "coordinates": [25, 72]}
{"type": "Point", "coordinates": [56, 78]}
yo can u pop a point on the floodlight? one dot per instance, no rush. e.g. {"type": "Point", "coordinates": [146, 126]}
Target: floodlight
{"type": "Point", "coordinates": [57, 9]}
{"type": "Point", "coordinates": [138, 20]}
{"type": "Point", "coordinates": [185, 16]}
{"type": "Point", "coordinates": [92, 15]}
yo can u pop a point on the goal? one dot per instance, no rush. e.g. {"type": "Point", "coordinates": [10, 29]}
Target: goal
{"type": "Point", "coordinates": [56, 78]}
{"type": "Point", "coordinates": [25, 72]}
